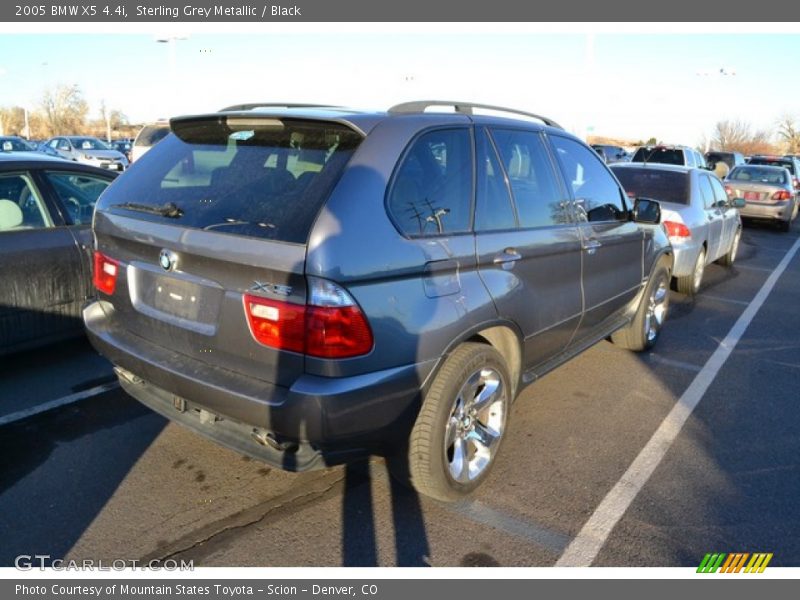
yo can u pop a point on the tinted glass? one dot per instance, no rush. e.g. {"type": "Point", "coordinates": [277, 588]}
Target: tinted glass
{"type": "Point", "coordinates": [775, 162]}
{"type": "Point", "coordinates": [595, 190]}
{"type": "Point", "coordinates": [670, 156]}
{"type": "Point", "coordinates": [14, 145]}
{"type": "Point", "coordinates": [78, 193]}
{"type": "Point", "coordinates": [494, 209]}
{"type": "Point", "coordinates": [537, 195]}
{"type": "Point", "coordinates": [432, 190]}
{"type": "Point", "coordinates": [150, 134]}
{"type": "Point", "coordinates": [89, 144]}
{"type": "Point", "coordinates": [266, 178]}
{"type": "Point", "coordinates": [665, 186]}
{"type": "Point", "coordinates": [20, 204]}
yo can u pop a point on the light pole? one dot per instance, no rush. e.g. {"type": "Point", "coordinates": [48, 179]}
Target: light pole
{"type": "Point", "coordinates": [718, 75]}
{"type": "Point", "coordinates": [171, 41]}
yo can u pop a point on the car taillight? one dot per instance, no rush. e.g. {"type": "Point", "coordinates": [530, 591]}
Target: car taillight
{"type": "Point", "coordinates": [105, 273]}
{"type": "Point", "coordinates": [796, 183]}
{"type": "Point", "coordinates": [329, 325]}
{"type": "Point", "coordinates": [677, 231]}
{"type": "Point", "coordinates": [781, 195]}
{"type": "Point", "coordinates": [729, 191]}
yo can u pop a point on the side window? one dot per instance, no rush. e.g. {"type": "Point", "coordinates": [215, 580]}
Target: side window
{"type": "Point", "coordinates": [63, 145]}
{"type": "Point", "coordinates": [534, 183]}
{"type": "Point", "coordinates": [53, 143]}
{"type": "Point", "coordinates": [720, 197]}
{"type": "Point", "coordinates": [707, 192]}
{"type": "Point", "coordinates": [432, 189]}
{"type": "Point", "coordinates": [493, 210]}
{"type": "Point", "coordinates": [78, 193]}
{"type": "Point", "coordinates": [20, 204]}
{"type": "Point", "coordinates": [595, 190]}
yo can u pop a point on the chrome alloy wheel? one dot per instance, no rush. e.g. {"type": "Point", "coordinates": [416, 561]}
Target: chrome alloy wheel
{"type": "Point", "coordinates": [657, 305]}
{"type": "Point", "coordinates": [476, 424]}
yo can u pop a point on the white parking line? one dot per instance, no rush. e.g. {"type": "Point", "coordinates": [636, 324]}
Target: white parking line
{"type": "Point", "coordinates": [58, 402]}
{"type": "Point", "coordinates": [582, 551]}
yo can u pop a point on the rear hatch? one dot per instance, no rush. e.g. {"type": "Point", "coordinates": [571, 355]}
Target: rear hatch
{"type": "Point", "coordinates": [221, 208]}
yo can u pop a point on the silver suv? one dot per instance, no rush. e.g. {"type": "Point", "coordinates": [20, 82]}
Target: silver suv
{"type": "Point", "coordinates": [308, 284]}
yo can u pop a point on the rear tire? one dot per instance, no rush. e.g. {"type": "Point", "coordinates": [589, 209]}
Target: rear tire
{"type": "Point", "coordinates": [784, 226]}
{"type": "Point", "coordinates": [460, 427]}
{"type": "Point", "coordinates": [645, 328]}
{"type": "Point", "coordinates": [690, 284]}
{"type": "Point", "coordinates": [727, 260]}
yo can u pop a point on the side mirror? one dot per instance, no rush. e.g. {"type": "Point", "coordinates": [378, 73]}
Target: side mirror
{"type": "Point", "coordinates": [646, 211]}
{"type": "Point", "coordinates": [738, 203]}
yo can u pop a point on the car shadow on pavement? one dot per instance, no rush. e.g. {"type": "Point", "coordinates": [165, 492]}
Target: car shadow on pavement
{"type": "Point", "coordinates": [60, 468]}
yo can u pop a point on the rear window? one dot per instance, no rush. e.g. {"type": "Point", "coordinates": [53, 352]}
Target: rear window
{"type": "Point", "coordinates": [758, 175]}
{"type": "Point", "coordinates": [774, 162]}
{"type": "Point", "coordinates": [670, 156]}
{"type": "Point", "coordinates": [666, 186]}
{"type": "Point", "coordinates": [264, 178]}
{"type": "Point", "coordinates": [151, 134]}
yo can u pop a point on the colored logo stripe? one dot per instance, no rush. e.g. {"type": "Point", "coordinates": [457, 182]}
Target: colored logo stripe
{"type": "Point", "coordinates": [733, 563]}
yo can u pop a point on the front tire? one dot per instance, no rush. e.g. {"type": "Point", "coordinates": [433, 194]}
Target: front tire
{"type": "Point", "coordinates": [461, 424]}
{"type": "Point", "coordinates": [645, 328]}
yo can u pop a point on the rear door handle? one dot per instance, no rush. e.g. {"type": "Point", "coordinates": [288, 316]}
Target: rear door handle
{"type": "Point", "coordinates": [591, 246]}
{"type": "Point", "coordinates": [507, 258]}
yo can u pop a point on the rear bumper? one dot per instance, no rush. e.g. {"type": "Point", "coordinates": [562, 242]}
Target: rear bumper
{"type": "Point", "coordinates": [325, 416]}
{"type": "Point", "coordinates": [779, 211]}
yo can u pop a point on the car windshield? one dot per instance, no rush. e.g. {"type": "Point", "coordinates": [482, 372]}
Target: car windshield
{"type": "Point", "coordinates": [14, 145]}
{"type": "Point", "coordinates": [670, 156]}
{"type": "Point", "coordinates": [758, 175]}
{"type": "Point", "coordinates": [89, 144]}
{"type": "Point", "coordinates": [666, 186]}
{"type": "Point", "coordinates": [775, 162]}
{"type": "Point", "coordinates": [263, 178]}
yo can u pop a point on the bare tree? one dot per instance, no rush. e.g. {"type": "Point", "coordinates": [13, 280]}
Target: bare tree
{"type": "Point", "coordinates": [789, 133]}
{"type": "Point", "coordinates": [64, 109]}
{"type": "Point", "coordinates": [12, 120]}
{"type": "Point", "coordinates": [738, 136]}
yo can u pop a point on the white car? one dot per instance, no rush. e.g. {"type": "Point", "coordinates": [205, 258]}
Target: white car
{"type": "Point", "coordinates": [702, 222]}
{"type": "Point", "coordinates": [89, 151]}
{"type": "Point", "coordinates": [148, 136]}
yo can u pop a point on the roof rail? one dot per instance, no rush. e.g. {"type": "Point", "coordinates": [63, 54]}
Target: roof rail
{"type": "Point", "coordinates": [252, 105]}
{"type": "Point", "coordinates": [419, 106]}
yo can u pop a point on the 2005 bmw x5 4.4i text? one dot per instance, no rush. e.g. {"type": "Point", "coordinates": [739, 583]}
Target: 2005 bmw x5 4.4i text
{"type": "Point", "coordinates": [309, 284]}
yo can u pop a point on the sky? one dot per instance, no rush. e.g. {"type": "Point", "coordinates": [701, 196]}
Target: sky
{"type": "Point", "coordinates": [671, 86]}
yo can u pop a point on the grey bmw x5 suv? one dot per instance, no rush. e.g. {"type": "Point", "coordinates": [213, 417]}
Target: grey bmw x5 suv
{"type": "Point", "coordinates": [309, 284]}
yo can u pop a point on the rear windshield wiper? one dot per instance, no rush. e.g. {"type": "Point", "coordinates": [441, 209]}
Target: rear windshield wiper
{"type": "Point", "coordinates": [169, 210]}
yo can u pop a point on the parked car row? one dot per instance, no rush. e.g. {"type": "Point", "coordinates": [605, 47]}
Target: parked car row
{"type": "Point", "coordinates": [233, 294]}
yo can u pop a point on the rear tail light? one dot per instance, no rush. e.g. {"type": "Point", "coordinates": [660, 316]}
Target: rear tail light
{"type": "Point", "coordinates": [677, 231]}
{"type": "Point", "coordinates": [729, 191]}
{"type": "Point", "coordinates": [329, 325]}
{"type": "Point", "coordinates": [105, 273]}
{"type": "Point", "coordinates": [782, 195]}
{"type": "Point", "coordinates": [796, 183]}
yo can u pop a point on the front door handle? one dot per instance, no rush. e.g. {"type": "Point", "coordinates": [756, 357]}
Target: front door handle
{"type": "Point", "coordinates": [591, 246]}
{"type": "Point", "coordinates": [507, 258]}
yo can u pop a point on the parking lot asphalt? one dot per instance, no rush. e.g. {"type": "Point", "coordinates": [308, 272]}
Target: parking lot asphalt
{"type": "Point", "coordinates": [103, 477]}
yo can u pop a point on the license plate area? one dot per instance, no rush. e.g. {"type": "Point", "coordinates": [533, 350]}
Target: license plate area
{"type": "Point", "coordinates": [752, 196]}
{"type": "Point", "coordinates": [189, 302]}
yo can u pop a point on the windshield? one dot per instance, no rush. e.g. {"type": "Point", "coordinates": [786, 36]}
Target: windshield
{"type": "Point", "coordinates": [267, 178]}
{"type": "Point", "coordinates": [14, 145]}
{"type": "Point", "coordinates": [89, 144]}
{"type": "Point", "coordinates": [669, 156]}
{"type": "Point", "coordinates": [666, 186]}
{"type": "Point", "coordinates": [775, 162]}
{"type": "Point", "coordinates": [758, 175]}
